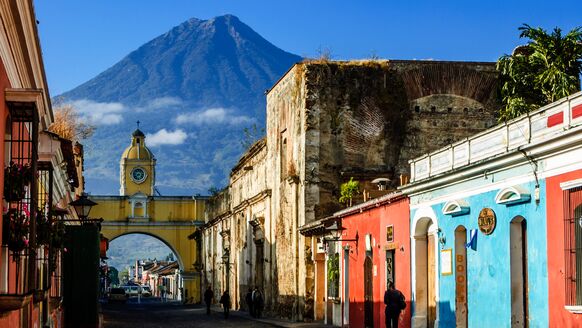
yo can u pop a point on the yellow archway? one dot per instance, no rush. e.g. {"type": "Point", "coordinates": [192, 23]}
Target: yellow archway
{"type": "Point", "coordinates": [171, 219]}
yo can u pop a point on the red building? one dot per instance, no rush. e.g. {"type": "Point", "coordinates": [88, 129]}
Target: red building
{"type": "Point", "coordinates": [564, 213]}
{"type": "Point", "coordinates": [381, 254]}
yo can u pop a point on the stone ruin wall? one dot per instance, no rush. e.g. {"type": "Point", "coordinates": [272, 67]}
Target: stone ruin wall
{"type": "Point", "coordinates": [372, 117]}
{"type": "Point", "coordinates": [366, 118]}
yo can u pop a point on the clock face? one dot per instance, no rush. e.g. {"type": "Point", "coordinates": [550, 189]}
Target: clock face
{"type": "Point", "coordinates": [138, 175]}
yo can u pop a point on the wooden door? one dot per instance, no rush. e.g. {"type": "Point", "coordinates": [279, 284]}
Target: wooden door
{"type": "Point", "coordinates": [431, 273]}
{"type": "Point", "coordinates": [518, 263]}
{"type": "Point", "coordinates": [461, 277]}
{"type": "Point", "coordinates": [368, 293]}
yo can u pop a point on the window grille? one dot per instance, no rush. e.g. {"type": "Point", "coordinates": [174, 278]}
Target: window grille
{"type": "Point", "coordinates": [18, 259]}
{"type": "Point", "coordinates": [44, 225]}
{"type": "Point", "coordinates": [333, 275]}
{"type": "Point", "coordinates": [573, 245]}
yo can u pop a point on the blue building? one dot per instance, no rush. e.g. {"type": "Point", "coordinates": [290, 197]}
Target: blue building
{"type": "Point", "coordinates": [478, 223]}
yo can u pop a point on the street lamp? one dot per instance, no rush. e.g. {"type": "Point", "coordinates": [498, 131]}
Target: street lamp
{"type": "Point", "coordinates": [336, 232]}
{"type": "Point", "coordinates": [83, 206]}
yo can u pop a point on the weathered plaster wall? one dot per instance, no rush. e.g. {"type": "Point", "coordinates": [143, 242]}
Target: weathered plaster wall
{"type": "Point", "coordinates": [327, 121]}
{"type": "Point", "coordinates": [375, 116]}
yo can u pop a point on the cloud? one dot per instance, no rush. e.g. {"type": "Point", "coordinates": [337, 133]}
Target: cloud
{"type": "Point", "coordinates": [213, 116]}
{"type": "Point", "coordinates": [160, 103]}
{"type": "Point", "coordinates": [99, 113]}
{"type": "Point", "coordinates": [201, 181]}
{"type": "Point", "coordinates": [165, 137]}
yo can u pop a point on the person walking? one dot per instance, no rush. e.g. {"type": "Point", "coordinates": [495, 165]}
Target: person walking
{"type": "Point", "coordinates": [258, 302]}
{"type": "Point", "coordinates": [225, 301]}
{"type": "Point", "coordinates": [208, 296]}
{"type": "Point", "coordinates": [395, 303]}
{"type": "Point", "coordinates": [249, 300]}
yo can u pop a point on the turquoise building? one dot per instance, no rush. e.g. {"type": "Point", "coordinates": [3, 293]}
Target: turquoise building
{"type": "Point", "coordinates": [479, 223]}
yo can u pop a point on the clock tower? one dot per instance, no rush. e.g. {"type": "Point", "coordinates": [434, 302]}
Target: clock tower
{"type": "Point", "coordinates": [137, 173]}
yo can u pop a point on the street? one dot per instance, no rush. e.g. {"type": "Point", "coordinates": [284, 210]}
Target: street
{"type": "Point", "coordinates": [171, 314]}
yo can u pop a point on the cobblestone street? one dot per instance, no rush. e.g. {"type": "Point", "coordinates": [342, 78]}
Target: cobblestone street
{"type": "Point", "coordinates": [177, 315]}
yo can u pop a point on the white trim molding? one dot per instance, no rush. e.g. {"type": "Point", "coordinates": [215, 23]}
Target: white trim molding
{"type": "Point", "coordinates": [456, 207]}
{"type": "Point", "coordinates": [512, 195]}
{"type": "Point", "coordinates": [571, 184]}
{"type": "Point", "coordinates": [574, 308]}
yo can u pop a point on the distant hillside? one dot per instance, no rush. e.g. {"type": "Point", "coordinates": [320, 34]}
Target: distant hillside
{"type": "Point", "coordinates": [125, 250]}
{"type": "Point", "coordinates": [194, 89]}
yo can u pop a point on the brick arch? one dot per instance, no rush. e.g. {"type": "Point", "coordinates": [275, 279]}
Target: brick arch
{"type": "Point", "coordinates": [478, 82]}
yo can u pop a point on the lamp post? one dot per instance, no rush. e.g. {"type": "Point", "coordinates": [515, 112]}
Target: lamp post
{"type": "Point", "coordinates": [82, 207]}
{"type": "Point", "coordinates": [336, 231]}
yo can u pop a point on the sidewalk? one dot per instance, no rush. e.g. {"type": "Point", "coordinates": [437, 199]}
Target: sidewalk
{"type": "Point", "coordinates": [275, 322]}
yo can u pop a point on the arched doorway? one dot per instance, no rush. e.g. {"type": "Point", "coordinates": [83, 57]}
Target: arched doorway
{"type": "Point", "coordinates": [519, 279]}
{"type": "Point", "coordinates": [425, 261]}
{"type": "Point", "coordinates": [461, 310]}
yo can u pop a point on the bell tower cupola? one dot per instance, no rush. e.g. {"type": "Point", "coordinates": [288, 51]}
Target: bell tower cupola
{"type": "Point", "coordinates": [137, 167]}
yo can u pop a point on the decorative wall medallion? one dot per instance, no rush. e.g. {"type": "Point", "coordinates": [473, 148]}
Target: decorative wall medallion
{"type": "Point", "coordinates": [487, 221]}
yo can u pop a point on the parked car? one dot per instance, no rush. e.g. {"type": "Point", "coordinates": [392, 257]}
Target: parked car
{"type": "Point", "coordinates": [146, 291]}
{"type": "Point", "coordinates": [117, 295]}
{"type": "Point", "coordinates": [131, 290]}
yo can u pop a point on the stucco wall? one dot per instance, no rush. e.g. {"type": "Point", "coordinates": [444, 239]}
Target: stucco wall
{"type": "Point", "coordinates": [374, 222]}
{"type": "Point", "coordinates": [488, 267]}
{"type": "Point", "coordinates": [558, 315]}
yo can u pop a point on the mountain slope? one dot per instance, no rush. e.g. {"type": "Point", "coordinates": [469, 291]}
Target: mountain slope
{"type": "Point", "coordinates": [202, 82]}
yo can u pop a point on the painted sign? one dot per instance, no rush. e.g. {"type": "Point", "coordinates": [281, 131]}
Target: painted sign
{"type": "Point", "coordinates": [487, 221]}
{"type": "Point", "coordinates": [446, 262]}
{"type": "Point", "coordinates": [390, 233]}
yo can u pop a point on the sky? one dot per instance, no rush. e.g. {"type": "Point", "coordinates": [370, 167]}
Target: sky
{"type": "Point", "coordinates": [81, 39]}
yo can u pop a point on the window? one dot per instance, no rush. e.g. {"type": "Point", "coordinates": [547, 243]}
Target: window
{"type": "Point", "coordinates": [20, 198]}
{"type": "Point", "coordinates": [573, 245]}
{"type": "Point", "coordinates": [283, 158]}
{"type": "Point", "coordinates": [333, 275]}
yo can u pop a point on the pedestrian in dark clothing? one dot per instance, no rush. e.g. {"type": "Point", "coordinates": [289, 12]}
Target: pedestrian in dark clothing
{"type": "Point", "coordinates": [225, 301]}
{"type": "Point", "coordinates": [258, 302]}
{"type": "Point", "coordinates": [249, 300]}
{"type": "Point", "coordinates": [395, 303]}
{"type": "Point", "coordinates": [208, 296]}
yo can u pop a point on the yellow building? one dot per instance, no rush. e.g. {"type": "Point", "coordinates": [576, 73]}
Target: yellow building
{"type": "Point", "coordinates": [137, 209]}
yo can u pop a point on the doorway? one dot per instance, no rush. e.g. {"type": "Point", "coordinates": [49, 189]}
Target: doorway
{"type": "Point", "coordinates": [368, 293]}
{"type": "Point", "coordinates": [519, 279]}
{"type": "Point", "coordinates": [461, 310]}
{"type": "Point", "coordinates": [390, 272]}
{"type": "Point", "coordinates": [425, 311]}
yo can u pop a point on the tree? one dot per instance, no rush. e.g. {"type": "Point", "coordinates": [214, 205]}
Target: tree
{"type": "Point", "coordinates": [124, 276]}
{"type": "Point", "coordinates": [68, 125]}
{"type": "Point", "coordinates": [251, 135]}
{"type": "Point", "coordinates": [348, 190]}
{"type": "Point", "coordinates": [113, 275]}
{"type": "Point", "coordinates": [544, 70]}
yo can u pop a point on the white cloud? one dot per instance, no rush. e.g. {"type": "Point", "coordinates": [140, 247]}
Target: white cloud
{"type": "Point", "coordinates": [213, 116]}
{"type": "Point", "coordinates": [165, 137]}
{"type": "Point", "coordinates": [160, 103]}
{"type": "Point", "coordinates": [99, 113]}
{"type": "Point", "coordinates": [202, 181]}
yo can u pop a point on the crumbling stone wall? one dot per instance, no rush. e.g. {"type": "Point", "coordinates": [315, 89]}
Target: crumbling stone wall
{"type": "Point", "coordinates": [333, 120]}
{"type": "Point", "coordinates": [327, 121]}
{"type": "Point", "coordinates": [372, 117]}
